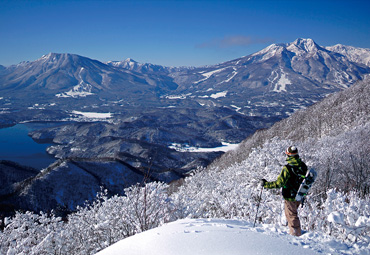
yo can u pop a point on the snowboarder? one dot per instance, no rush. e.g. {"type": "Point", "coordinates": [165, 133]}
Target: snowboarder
{"type": "Point", "coordinates": [290, 179]}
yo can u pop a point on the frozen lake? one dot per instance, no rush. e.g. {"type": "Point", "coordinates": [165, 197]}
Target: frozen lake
{"type": "Point", "coordinates": [17, 146]}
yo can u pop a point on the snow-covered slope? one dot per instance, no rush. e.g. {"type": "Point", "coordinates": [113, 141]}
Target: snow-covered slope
{"type": "Point", "coordinates": [297, 67]}
{"type": "Point", "coordinates": [334, 115]}
{"type": "Point", "coordinates": [70, 75]}
{"type": "Point", "coordinates": [357, 55]}
{"type": "Point", "coordinates": [225, 237]}
{"type": "Point", "coordinates": [133, 65]}
{"type": "Point", "coordinates": [281, 76]}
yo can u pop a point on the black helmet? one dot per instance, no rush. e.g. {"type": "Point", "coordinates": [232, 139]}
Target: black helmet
{"type": "Point", "coordinates": [291, 151]}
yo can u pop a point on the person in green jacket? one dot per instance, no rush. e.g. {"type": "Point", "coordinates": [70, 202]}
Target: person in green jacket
{"type": "Point", "coordinates": [289, 180]}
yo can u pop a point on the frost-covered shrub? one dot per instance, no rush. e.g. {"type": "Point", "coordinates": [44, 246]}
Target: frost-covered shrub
{"type": "Point", "coordinates": [93, 227]}
{"type": "Point", "coordinates": [148, 206]}
{"type": "Point", "coordinates": [346, 216]}
{"type": "Point", "coordinates": [109, 220]}
{"type": "Point", "coordinates": [234, 192]}
{"type": "Point", "coordinates": [29, 233]}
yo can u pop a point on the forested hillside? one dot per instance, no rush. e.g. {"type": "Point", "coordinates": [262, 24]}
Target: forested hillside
{"type": "Point", "coordinates": [333, 136]}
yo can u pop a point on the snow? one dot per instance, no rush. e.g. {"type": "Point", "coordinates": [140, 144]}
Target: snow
{"type": "Point", "coordinates": [342, 78]}
{"type": "Point", "coordinates": [36, 106]}
{"type": "Point", "coordinates": [215, 95]}
{"type": "Point", "coordinates": [336, 217]}
{"type": "Point", "coordinates": [82, 89]}
{"type": "Point", "coordinates": [268, 52]}
{"type": "Point", "coordinates": [280, 86]}
{"type": "Point", "coordinates": [208, 74]}
{"type": "Point", "coordinates": [219, 94]}
{"type": "Point", "coordinates": [236, 107]}
{"type": "Point", "coordinates": [302, 46]}
{"type": "Point", "coordinates": [233, 74]}
{"type": "Point", "coordinates": [94, 115]}
{"type": "Point", "coordinates": [184, 96]}
{"type": "Point", "coordinates": [225, 147]}
{"type": "Point", "coordinates": [358, 55]}
{"type": "Point", "coordinates": [222, 236]}
{"type": "Point", "coordinates": [362, 221]}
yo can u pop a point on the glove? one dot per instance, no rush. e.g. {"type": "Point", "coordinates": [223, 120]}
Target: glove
{"type": "Point", "coordinates": [262, 182]}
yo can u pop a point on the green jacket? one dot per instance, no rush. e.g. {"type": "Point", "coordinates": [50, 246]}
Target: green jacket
{"type": "Point", "coordinates": [289, 179]}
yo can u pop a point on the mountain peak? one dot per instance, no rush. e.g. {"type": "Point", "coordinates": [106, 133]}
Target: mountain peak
{"type": "Point", "coordinates": [304, 41]}
{"type": "Point", "coordinates": [53, 57]}
{"type": "Point", "coordinates": [299, 45]}
{"type": "Point", "coordinates": [307, 45]}
{"type": "Point", "coordinates": [128, 63]}
{"type": "Point", "coordinates": [130, 60]}
{"type": "Point", "coordinates": [46, 56]}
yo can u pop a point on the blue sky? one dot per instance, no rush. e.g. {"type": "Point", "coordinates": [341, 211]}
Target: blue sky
{"type": "Point", "coordinates": [174, 33]}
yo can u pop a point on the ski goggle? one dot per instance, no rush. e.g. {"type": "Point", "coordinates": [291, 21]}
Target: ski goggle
{"type": "Point", "coordinates": [287, 152]}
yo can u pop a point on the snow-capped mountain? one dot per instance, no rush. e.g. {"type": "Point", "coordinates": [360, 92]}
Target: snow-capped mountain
{"type": "Point", "coordinates": [69, 75]}
{"type": "Point", "coordinates": [301, 67]}
{"type": "Point", "coordinates": [356, 55]}
{"type": "Point", "coordinates": [301, 72]}
{"type": "Point", "coordinates": [133, 65]}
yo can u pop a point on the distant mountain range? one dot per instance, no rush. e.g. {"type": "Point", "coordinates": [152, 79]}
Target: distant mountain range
{"type": "Point", "coordinates": [153, 108]}
{"type": "Point", "coordinates": [299, 68]}
{"type": "Point", "coordinates": [302, 64]}
{"type": "Point", "coordinates": [293, 68]}
{"type": "Point", "coordinates": [275, 81]}
{"type": "Point", "coordinates": [68, 75]}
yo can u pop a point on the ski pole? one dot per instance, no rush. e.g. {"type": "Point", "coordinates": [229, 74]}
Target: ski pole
{"type": "Point", "coordinates": [258, 207]}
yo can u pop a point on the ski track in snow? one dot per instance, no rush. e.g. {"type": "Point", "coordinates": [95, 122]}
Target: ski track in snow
{"type": "Point", "coordinates": [233, 74]}
{"type": "Point", "coordinates": [82, 89]}
{"type": "Point", "coordinates": [209, 74]}
{"type": "Point", "coordinates": [280, 85]}
{"type": "Point", "coordinates": [224, 237]}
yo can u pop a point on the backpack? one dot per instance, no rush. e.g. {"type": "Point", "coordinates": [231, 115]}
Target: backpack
{"type": "Point", "coordinates": [297, 176]}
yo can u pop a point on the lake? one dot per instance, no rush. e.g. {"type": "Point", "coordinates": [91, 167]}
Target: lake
{"type": "Point", "coordinates": [17, 146]}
